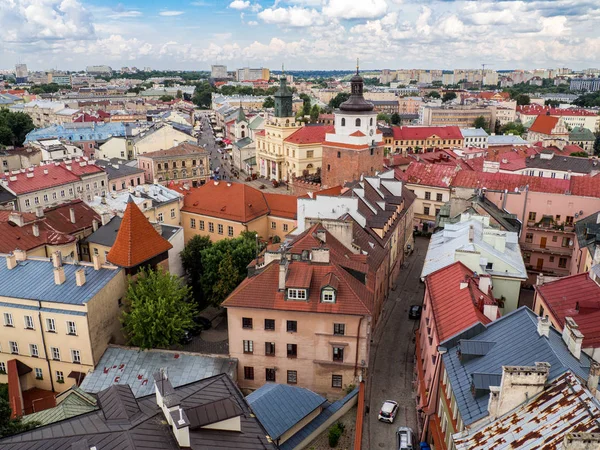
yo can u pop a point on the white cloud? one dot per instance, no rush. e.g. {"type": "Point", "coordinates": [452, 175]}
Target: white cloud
{"type": "Point", "coordinates": [170, 13]}
{"type": "Point", "coordinates": [358, 9]}
{"type": "Point", "coordinates": [125, 14]}
{"type": "Point", "coordinates": [292, 17]}
{"type": "Point", "coordinates": [239, 4]}
{"type": "Point", "coordinates": [252, 23]}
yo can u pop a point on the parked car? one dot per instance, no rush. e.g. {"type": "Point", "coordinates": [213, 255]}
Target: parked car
{"type": "Point", "coordinates": [405, 438]}
{"type": "Point", "coordinates": [203, 322]}
{"type": "Point", "coordinates": [388, 412]}
{"type": "Point", "coordinates": [415, 312]}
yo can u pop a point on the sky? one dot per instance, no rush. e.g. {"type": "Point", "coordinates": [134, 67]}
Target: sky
{"type": "Point", "coordinates": [302, 34]}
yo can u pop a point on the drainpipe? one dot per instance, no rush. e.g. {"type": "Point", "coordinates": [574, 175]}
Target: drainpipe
{"type": "Point", "coordinates": [525, 204]}
{"type": "Point", "coordinates": [44, 345]}
{"type": "Point", "coordinates": [357, 344]}
{"type": "Point", "coordinates": [434, 390]}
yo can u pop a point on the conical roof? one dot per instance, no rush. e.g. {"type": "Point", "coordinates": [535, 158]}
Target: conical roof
{"type": "Point", "coordinates": [137, 241]}
{"type": "Point", "coordinates": [356, 102]}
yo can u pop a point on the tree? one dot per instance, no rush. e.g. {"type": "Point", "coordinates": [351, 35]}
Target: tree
{"type": "Point", "coordinates": [395, 119]}
{"type": "Point", "coordinates": [433, 94]}
{"type": "Point", "coordinates": [523, 99]}
{"type": "Point", "coordinates": [336, 101]}
{"type": "Point", "coordinates": [158, 311]}
{"type": "Point", "coordinates": [227, 277]}
{"type": "Point", "coordinates": [579, 154]}
{"type": "Point", "coordinates": [166, 98]}
{"type": "Point", "coordinates": [306, 107]}
{"type": "Point", "coordinates": [191, 258]}
{"type": "Point", "coordinates": [314, 113]}
{"type": "Point", "coordinates": [203, 95]}
{"type": "Point", "coordinates": [597, 145]}
{"type": "Point", "coordinates": [269, 102]}
{"type": "Point", "coordinates": [179, 94]}
{"type": "Point", "coordinates": [552, 103]}
{"type": "Point", "coordinates": [513, 128]}
{"type": "Point", "coordinates": [480, 122]}
{"type": "Point", "coordinates": [448, 96]}
{"type": "Point", "coordinates": [383, 117]}
{"type": "Point", "coordinates": [14, 127]}
{"type": "Point", "coordinates": [10, 426]}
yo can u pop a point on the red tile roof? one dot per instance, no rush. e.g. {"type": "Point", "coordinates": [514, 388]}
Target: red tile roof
{"type": "Point", "coordinates": [439, 175]}
{"type": "Point", "coordinates": [259, 133]}
{"type": "Point", "coordinates": [59, 217]}
{"type": "Point", "coordinates": [299, 276]}
{"type": "Point", "coordinates": [13, 237]}
{"type": "Point", "coordinates": [455, 309]}
{"type": "Point", "coordinates": [358, 133]}
{"type": "Point", "coordinates": [575, 296]}
{"type": "Point", "coordinates": [502, 181]}
{"type": "Point", "coordinates": [333, 191]}
{"type": "Point", "coordinates": [397, 160]}
{"type": "Point", "coordinates": [423, 133]}
{"type": "Point", "coordinates": [544, 124]}
{"type": "Point", "coordinates": [282, 205]}
{"type": "Point", "coordinates": [81, 167]}
{"type": "Point", "coordinates": [231, 201]}
{"type": "Point", "coordinates": [312, 134]}
{"type": "Point", "coordinates": [137, 241]}
{"type": "Point", "coordinates": [586, 186]}
{"type": "Point", "coordinates": [541, 110]}
{"type": "Point", "coordinates": [56, 176]}
{"type": "Point", "coordinates": [182, 149]}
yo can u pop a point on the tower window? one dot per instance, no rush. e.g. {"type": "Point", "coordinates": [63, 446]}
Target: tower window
{"type": "Point", "coordinates": [371, 122]}
{"type": "Point", "coordinates": [358, 122]}
{"type": "Point", "coordinates": [328, 167]}
{"type": "Point", "coordinates": [339, 154]}
{"type": "Point", "coordinates": [343, 122]}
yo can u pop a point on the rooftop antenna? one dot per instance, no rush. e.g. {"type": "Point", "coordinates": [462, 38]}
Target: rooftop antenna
{"type": "Point", "coordinates": [282, 70]}
{"type": "Point", "coordinates": [356, 66]}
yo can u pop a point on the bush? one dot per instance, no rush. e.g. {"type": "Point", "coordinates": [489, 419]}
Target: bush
{"type": "Point", "coordinates": [335, 432]}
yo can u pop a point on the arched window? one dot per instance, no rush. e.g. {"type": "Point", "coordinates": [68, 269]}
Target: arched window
{"type": "Point", "coordinates": [174, 174]}
{"type": "Point", "coordinates": [343, 122]}
{"type": "Point", "coordinates": [371, 122]}
{"type": "Point", "coordinates": [243, 134]}
{"type": "Point", "coordinates": [358, 122]}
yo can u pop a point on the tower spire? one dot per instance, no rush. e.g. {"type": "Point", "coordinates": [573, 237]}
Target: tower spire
{"type": "Point", "coordinates": [356, 66]}
{"type": "Point", "coordinates": [282, 70]}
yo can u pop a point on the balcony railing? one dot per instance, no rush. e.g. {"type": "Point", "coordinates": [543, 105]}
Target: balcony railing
{"type": "Point", "coordinates": [547, 249]}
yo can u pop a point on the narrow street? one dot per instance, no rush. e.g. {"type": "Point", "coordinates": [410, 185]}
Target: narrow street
{"type": "Point", "coordinates": [392, 357]}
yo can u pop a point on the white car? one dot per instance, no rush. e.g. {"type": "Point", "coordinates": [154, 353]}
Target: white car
{"type": "Point", "coordinates": [388, 412]}
{"type": "Point", "coordinates": [405, 438]}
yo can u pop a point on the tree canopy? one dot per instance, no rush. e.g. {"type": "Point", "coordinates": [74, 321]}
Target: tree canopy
{"type": "Point", "coordinates": [597, 145]}
{"type": "Point", "coordinates": [480, 122]}
{"type": "Point", "coordinates": [588, 100]}
{"type": "Point", "coordinates": [448, 96]}
{"type": "Point", "coordinates": [383, 117]}
{"type": "Point", "coordinates": [513, 128]}
{"type": "Point", "coordinates": [395, 119]}
{"type": "Point", "coordinates": [166, 98]}
{"type": "Point", "coordinates": [336, 101]}
{"type": "Point", "coordinates": [158, 310]}
{"type": "Point", "coordinates": [523, 99]}
{"type": "Point", "coordinates": [433, 94]}
{"type": "Point", "coordinates": [269, 102]}
{"type": "Point", "coordinates": [579, 154]}
{"type": "Point", "coordinates": [14, 127]}
{"type": "Point", "coordinates": [203, 95]}
{"type": "Point", "coordinates": [314, 113]}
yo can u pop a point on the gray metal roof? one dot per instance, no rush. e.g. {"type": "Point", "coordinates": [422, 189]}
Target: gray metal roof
{"type": "Point", "coordinates": [517, 344]}
{"type": "Point", "coordinates": [506, 139]}
{"type": "Point", "coordinates": [17, 282]}
{"type": "Point", "coordinates": [280, 407]}
{"type": "Point", "coordinates": [106, 234]}
{"type": "Point", "coordinates": [116, 168]}
{"type": "Point", "coordinates": [120, 365]}
{"type": "Point", "coordinates": [473, 132]}
{"type": "Point", "coordinates": [550, 161]}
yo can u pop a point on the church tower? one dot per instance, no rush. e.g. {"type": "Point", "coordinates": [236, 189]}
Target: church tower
{"type": "Point", "coordinates": [283, 100]}
{"type": "Point", "coordinates": [355, 149]}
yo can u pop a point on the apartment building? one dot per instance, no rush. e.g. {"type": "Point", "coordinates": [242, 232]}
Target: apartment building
{"type": "Point", "coordinates": [47, 113]}
{"type": "Point", "coordinates": [58, 318]}
{"type": "Point", "coordinates": [184, 162]}
{"type": "Point", "coordinates": [120, 174]}
{"type": "Point", "coordinates": [301, 318]}
{"type": "Point", "coordinates": [550, 131]}
{"type": "Point", "coordinates": [474, 137]}
{"type": "Point", "coordinates": [572, 117]}
{"type": "Point", "coordinates": [425, 139]}
{"type": "Point", "coordinates": [460, 116]}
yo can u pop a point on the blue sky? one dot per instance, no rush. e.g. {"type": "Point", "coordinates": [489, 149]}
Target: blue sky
{"type": "Point", "coordinates": [302, 34]}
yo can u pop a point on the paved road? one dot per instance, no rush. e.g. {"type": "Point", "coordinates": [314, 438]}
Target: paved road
{"type": "Point", "coordinates": [392, 356]}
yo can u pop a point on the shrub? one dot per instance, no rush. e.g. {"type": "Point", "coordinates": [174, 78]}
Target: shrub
{"type": "Point", "coordinates": [335, 432]}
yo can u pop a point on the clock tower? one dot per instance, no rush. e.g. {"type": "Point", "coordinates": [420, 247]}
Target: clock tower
{"type": "Point", "coordinates": [283, 100]}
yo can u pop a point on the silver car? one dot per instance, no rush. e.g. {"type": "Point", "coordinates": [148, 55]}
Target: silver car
{"type": "Point", "coordinates": [405, 438]}
{"type": "Point", "coordinates": [388, 412]}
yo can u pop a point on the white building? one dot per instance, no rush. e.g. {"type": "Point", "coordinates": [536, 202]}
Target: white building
{"type": "Point", "coordinates": [475, 137]}
{"type": "Point", "coordinates": [55, 150]}
{"type": "Point", "coordinates": [218, 71]}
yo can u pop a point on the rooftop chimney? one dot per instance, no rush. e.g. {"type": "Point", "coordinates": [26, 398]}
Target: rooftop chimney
{"type": "Point", "coordinates": [490, 311]}
{"type": "Point", "coordinates": [543, 326]}
{"type": "Point", "coordinates": [21, 255]}
{"type": "Point", "coordinates": [283, 269]}
{"type": "Point", "coordinates": [138, 193]}
{"type": "Point", "coordinates": [36, 229]}
{"type": "Point", "coordinates": [471, 233]}
{"type": "Point", "coordinates": [170, 404]}
{"type": "Point", "coordinates": [59, 275]}
{"type": "Point", "coordinates": [485, 282]}
{"type": "Point", "coordinates": [572, 337]}
{"type": "Point", "coordinates": [96, 262]}
{"type": "Point", "coordinates": [45, 171]}
{"type": "Point", "coordinates": [11, 261]}
{"type": "Point", "coordinates": [72, 214]}
{"type": "Point", "coordinates": [320, 255]}
{"type": "Point", "coordinates": [593, 377]}
{"type": "Point", "coordinates": [94, 225]}
{"type": "Point", "coordinates": [580, 441]}
{"type": "Point", "coordinates": [80, 277]}
{"type": "Point", "coordinates": [16, 218]}
{"type": "Point", "coordinates": [321, 235]}
{"type": "Point", "coordinates": [68, 166]}
{"type": "Point", "coordinates": [39, 212]}
{"type": "Point", "coordinates": [105, 218]}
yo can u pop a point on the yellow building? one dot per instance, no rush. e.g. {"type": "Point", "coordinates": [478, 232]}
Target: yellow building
{"type": "Point", "coordinates": [303, 151]}
{"type": "Point", "coordinates": [58, 320]}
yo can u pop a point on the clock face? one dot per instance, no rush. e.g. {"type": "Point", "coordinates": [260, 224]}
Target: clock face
{"type": "Point", "coordinates": [371, 133]}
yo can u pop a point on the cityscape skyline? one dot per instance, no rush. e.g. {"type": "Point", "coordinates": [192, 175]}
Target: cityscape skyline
{"type": "Point", "coordinates": [304, 34]}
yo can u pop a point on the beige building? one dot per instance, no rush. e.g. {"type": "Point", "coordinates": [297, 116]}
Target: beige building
{"type": "Point", "coordinates": [184, 162]}
{"type": "Point", "coordinates": [409, 105]}
{"type": "Point", "coordinates": [57, 327]}
{"type": "Point", "coordinates": [461, 116]}
{"type": "Point", "coordinates": [46, 113]}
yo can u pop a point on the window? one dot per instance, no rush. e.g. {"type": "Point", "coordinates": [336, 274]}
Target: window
{"type": "Point", "coordinates": [270, 374]}
{"type": "Point", "coordinates": [339, 154]}
{"type": "Point", "coordinates": [71, 328]}
{"type": "Point", "coordinates": [427, 195]}
{"type": "Point", "coordinates": [39, 374]}
{"type": "Point", "coordinates": [328, 296]}
{"type": "Point", "coordinates": [292, 377]}
{"type": "Point", "coordinates": [343, 122]}
{"type": "Point", "coordinates": [247, 322]}
{"type": "Point", "coordinates": [273, 225]}
{"type": "Point", "coordinates": [270, 324]}
{"type": "Point", "coordinates": [60, 376]}
{"type": "Point", "coordinates": [426, 210]}
{"type": "Point", "coordinates": [296, 294]}
{"type": "Point", "coordinates": [14, 347]}
{"type": "Point", "coordinates": [292, 326]}
{"type": "Point", "coordinates": [248, 373]}
{"type": "Point", "coordinates": [526, 258]}
{"type": "Point", "coordinates": [172, 213]}
{"type": "Point", "coordinates": [45, 198]}
{"type": "Point", "coordinates": [292, 351]}
{"type": "Point", "coordinates": [201, 225]}
{"type": "Point", "coordinates": [160, 217]}
{"type": "Point", "coordinates": [95, 252]}
{"type": "Point", "coordinates": [569, 221]}
{"type": "Point", "coordinates": [270, 348]}
{"type": "Point", "coordinates": [2, 367]}
{"type": "Point", "coordinates": [76, 356]}
{"type": "Point", "coordinates": [211, 227]}
{"type": "Point", "coordinates": [55, 353]}
{"type": "Point", "coordinates": [27, 202]}
{"type": "Point", "coordinates": [192, 223]}
{"type": "Point", "coordinates": [71, 192]}
{"type": "Point", "coordinates": [339, 329]}
{"type": "Point", "coordinates": [248, 347]}
{"type": "Point", "coordinates": [438, 197]}
{"type": "Point", "coordinates": [219, 228]}
{"type": "Point", "coordinates": [166, 165]}
{"type": "Point", "coordinates": [285, 227]}
{"type": "Point", "coordinates": [310, 153]}
{"type": "Point", "coordinates": [565, 242]}
{"type": "Point", "coordinates": [336, 381]}
{"type": "Point", "coordinates": [551, 259]}
{"type": "Point", "coordinates": [54, 196]}
{"type": "Point", "coordinates": [529, 237]}
{"type": "Point", "coordinates": [36, 200]}
{"type": "Point", "coordinates": [33, 350]}
{"type": "Point", "coordinates": [8, 320]}
{"type": "Point", "coordinates": [489, 266]}
{"type": "Point", "coordinates": [338, 353]}
{"type": "Point", "coordinates": [29, 322]}
{"type": "Point", "coordinates": [562, 263]}
{"type": "Point", "coordinates": [357, 122]}
{"type": "Point", "coordinates": [532, 216]}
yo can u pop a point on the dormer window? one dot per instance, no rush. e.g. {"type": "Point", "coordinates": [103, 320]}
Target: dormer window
{"type": "Point", "coordinates": [328, 295]}
{"type": "Point", "coordinates": [296, 294]}
{"type": "Point", "coordinates": [305, 255]}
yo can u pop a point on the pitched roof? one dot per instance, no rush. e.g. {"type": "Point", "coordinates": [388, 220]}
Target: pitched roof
{"type": "Point", "coordinates": [502, 181]}
{"type": "Point", "coordinates": [310, 134]}
{"type": "Point", "coordinates": [543, 110]}
{"type": "Point", "coordinates": [117, 168]}
{"type": "Point", "coordinates": [44, 177]}
{"type": "Point", "coordinates": [137, 241]}
{"type": "Point", "coordinates": [59, 217]}
{"type": "Point", "coordinates": [232, 201]}
{"type": "Point", "coordinates": [424, 133]}
{"type": "Point", "coordinates": [544, 124]}
{"type": "Point", "coordinates": [282, 205]}
{"type": "Point", "coordinates": [279, 407]}
{"type": "Point", "coordinates": [551, 161]}
{"type": "Point", "coordinates": [438, 175]}
{"type": "Point", "coordinates": [183, 149]}
{"type": "Point", "coordinates": [585, 186]}
{"type": "Point", "coordinates": [455, 308]}
{"type": "Point", "coordinates": [14, 237]}
{"type": "Point", "coordinates": [576, 296]}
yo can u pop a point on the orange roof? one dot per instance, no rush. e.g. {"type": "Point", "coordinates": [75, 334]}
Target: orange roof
{"type": "Point", "coordinates": [310, 134]}
{"type": "Point", "coordinates": [137, 241]}
{"type": "Point", "coordinates": [544, 124]}
{"type": "Point", "coordinates": [358, 133]}
{"type": "Point", "coordinates": [282, 205]}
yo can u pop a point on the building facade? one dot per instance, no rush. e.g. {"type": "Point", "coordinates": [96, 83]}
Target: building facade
{"type": "Point", "coordinates": [185, 162]}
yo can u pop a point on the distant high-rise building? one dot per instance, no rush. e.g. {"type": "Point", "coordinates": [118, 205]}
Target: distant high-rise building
{"type": "Point", "coordinates": [218, 71]}
{"type": "Point", "coordinates": [21, 73]}
{"type": "Point", "coordinates": [99, 70]}
{"type": "Point", "coordinates": [248, 74]}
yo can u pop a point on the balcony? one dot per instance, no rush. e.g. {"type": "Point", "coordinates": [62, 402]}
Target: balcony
{"type": "Point", "coordinates": [549, 224]}
{"type": "Point", "coordinates": [547, 249]}
{"type": "Point", "coordinates": [551, 271]}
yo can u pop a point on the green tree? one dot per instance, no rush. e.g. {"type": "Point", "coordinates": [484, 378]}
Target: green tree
{"type": "Point", "coordinates": [306, 107]}
{"type": "Point", "coordinates": [597, 145]}
{"type": "Point", "coordinates": [480, 122]}
{"type": "Point", "coordinates": [513, 128]}
{"type": "Point", "coordinates": [166, 98]}
{"type": "Point", "coordinates": [383, 117]}
{"type": "Point", "coordinates": [10, 426]}
{"type": "Point", "coordinates": [336, 101]}
{"type": "Point", "coordinates": [227, 278]}
{"type": "Point", "coordinates": [203, 95]}
{"type": "Point", "coordinates": [395, 119]}
{"type": "Point", "coordinates": [552, 103]}
{"type": "Point", "coordinates": [269, 102]}
{"type": "Point", "coordinates": [523, 99]}
{"type": "Point", "coordinates": [433, 94]}
{"type": "Point", "coordinates": [191, 258]}
{"type": "Point", "coordinates": [448, 96]}
{"type": "Point", "coordinates": [19, 125]}
{"type": "Point", "coordinates": [158, 310]}
{"type": "Point", "coordinates": [314, 113]}
{"type": "Point", "coordinates": [579, 154]}
{"type": "Point", "coordinates": [179, 94]}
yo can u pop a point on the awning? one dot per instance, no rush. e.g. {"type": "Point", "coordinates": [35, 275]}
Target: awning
{"type": "Point", "coordinates": [78, 376]}
{"type": "Point", "coordinates": [226, 141]}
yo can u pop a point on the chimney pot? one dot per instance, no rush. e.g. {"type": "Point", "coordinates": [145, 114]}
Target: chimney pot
{"type": "Point", "coordinates": [56, 259]}
{"type": "Point", "coordinates": [11, 261]}
{"type": "Point", "coordinates": [283, 269]}
{"type": "Point", "coordinates": [39, 211]}
{"type": "Point", "coordinates": [36, 229]}
{"type": "Point", "coordinates": [59, 275]}
{"type": "Point", "coordinates": [96, 262]}
{"type": "Point", "coordinates": [16, 218]}
{"type": "Point", "coordinates": [80, 277]}
{"type": "Point", "coordinates": [543, 326]}
{"type": "Point", "coordinates": [593, 377]}
{"type": "Point", "coordinates": [72, 214]}
{"type": "Point", "coordinates": [94, 225]}
{"type": "Point", "coordinates": [572, 337]}
{"type": "Point", "coordinates": [21, 255]}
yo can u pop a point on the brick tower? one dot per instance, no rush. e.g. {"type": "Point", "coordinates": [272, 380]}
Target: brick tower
{"type": "Point", "coordinates": [356, 147]}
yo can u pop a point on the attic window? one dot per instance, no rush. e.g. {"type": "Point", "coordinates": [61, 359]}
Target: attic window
{"type": "Point", "coordinates": [296, 294]}
{"type": "Point", "coordinates": [305, 255]}
{"type": "Point", "coordinates": [328, 295]}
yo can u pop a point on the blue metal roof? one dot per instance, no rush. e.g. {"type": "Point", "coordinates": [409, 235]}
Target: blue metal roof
{"type": "Point", "coordinates": [328, 411]}
{"type": "Point", "coordinates": [79, 132]}
{"type": "Point", "coordinates": [517, 344]}
{"type": "Point", "coordinates": [34, 280]}
{"type": "Point", "coordinates": [279, 406]}
{"type": "Point", "coordinates": [50, 310]}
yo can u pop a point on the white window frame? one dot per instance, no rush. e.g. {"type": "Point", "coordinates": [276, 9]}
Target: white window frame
{"type": "Point", "coordinates": [28, 322]}
{"type": "Point", "coordinates": [14, 347]}
{"type": "Point", "coordinates": [33, 350]}
{"type": "Point", "coordinates": [60, 376]}
{"type": "Point", "coordinates": [50, 325]}
{"type": "Point", "coordinates": [27, 202]}
{"type": "Point", "coordinates": [76, 356]}
{"type": "Point", "coordinates": [2, 366]}
{"type": "Point", "coordinates": [172, 213]}
{"type": "Point", "coordinates": [71, 328]}
{"type": "Point", "coordinates": [8, 320]}
{"type": "Point", "coordinates": [248, 346]}
{"type": "Point", "coordinates": [328, 292]}
{"type": "Point", "coordinates": [160, 217]}
{"type": "Point", "coordinates": [192, 223]}
{"type": "Point", "coordinates": [296, 294]}
{"type": "Point", "coordinates": [220, 228]}
{"type": "Point", "coordinates": [39, 373]}
{"type": "Point", "coordinates": [55, 352]}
